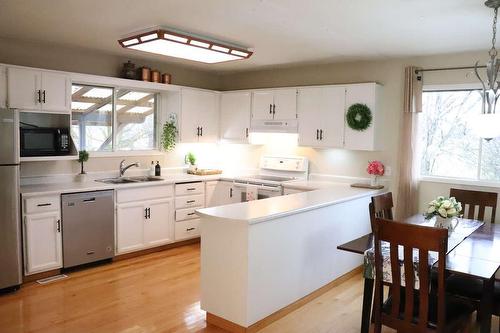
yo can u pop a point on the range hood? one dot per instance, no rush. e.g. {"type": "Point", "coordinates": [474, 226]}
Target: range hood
{"type": "Point", "coordinates": [274, 126]}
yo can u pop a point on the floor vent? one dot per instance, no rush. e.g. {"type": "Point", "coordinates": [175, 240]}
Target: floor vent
{"type": "Point", "coordinates": [52, 279]}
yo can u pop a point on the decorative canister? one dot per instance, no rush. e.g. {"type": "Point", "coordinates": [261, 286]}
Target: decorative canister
{"type": "Point", "coordinates": [145, 73]}
{"type": "Point", "coordinates": [155, 76]}
{"type": "Point", "coordinates": [166, 78]}
{"type": "Point", "coordinates": [128, 71]}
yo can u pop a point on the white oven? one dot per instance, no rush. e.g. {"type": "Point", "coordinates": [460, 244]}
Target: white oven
{"type": "Point", "coordinates": [263, 191]}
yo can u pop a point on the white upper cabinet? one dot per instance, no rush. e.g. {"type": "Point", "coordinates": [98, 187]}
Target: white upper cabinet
{"type": "Point", "coordinates": [23, 88]}
{"type": "Point", "coordinates": [56, 92]}
{"type": "Point", "coordinates": [285, 104]}
{"type": "Point", "coordinates": [34, 90]}
{"type": "Point", "coordinates": [262, 105]}
{"type": "Point", "coordinates": [369, 139]}
{"type": "Point", "coordinates": [321, 116]}
{"type": "Point", "coordinates": [280, 104]}
{"type": "Point", "coordinates": [199, 116]}
{"type": "Point", "coordinates": [235, 116]}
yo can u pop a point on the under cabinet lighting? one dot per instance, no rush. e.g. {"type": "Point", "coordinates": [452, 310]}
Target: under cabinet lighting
{"type": "Point", "coordinates": [184, 46]}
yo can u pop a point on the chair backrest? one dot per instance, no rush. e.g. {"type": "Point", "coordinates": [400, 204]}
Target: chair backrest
{"type": "Point", "coordinates": [381, 207]}
{"type": "Point", "coordinates": [471, 199]}
{"type": "Point", "coordinates": [410, 237]}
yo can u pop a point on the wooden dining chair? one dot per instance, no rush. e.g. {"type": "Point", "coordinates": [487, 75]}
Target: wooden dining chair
{"type": "Point", "coordinates": [463, 286]}
{"type": "Point", "coordinates": [381, 207]}
{"type": "Point", "coordinates": [472, 199]}
{"type": "Point", "coordinates": [407, 309]}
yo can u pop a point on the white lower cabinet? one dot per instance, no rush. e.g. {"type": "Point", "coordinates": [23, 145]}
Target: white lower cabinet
{"type": "Point", "coordinates": [188, 198]}
{"type": "Point", "coordinates": [187, 229]}
{"type": "Point", "coordinates": [42, 241]}
{"type": "Point", "coordinates": [158, 225]}
{"type": "Point", "coordinates": [220, 193]}
{"type": "Point", "coordinates": [146, 223]}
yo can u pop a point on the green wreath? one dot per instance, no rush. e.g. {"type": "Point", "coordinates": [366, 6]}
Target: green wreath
{"type": "Point", "coordinates": [359, 117]}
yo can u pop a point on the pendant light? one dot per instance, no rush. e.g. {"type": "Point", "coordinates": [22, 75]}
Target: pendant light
{"type": "Point", "coordinates": [487, 124]}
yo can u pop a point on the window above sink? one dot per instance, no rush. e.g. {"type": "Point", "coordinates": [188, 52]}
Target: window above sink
{"type": "Point", "coordinates": [107, 119]}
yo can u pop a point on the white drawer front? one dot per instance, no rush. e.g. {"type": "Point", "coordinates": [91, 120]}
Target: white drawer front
{"type": "Point", "coordinates": [144, 193]}
{"type": "Point", "coordinates": [187, 229]}
{"type": "Point", "coordinates": [190, 201]}
{"type": "Point", "coordinates": [185, 214]}
{"type": "Point", "coordinates": [42, 204]}
{"type": "Point", "coordinates": [189, 188]}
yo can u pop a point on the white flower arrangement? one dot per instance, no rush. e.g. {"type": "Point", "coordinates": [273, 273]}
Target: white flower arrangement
{"type": "Point", "coordinates": [443, 207]}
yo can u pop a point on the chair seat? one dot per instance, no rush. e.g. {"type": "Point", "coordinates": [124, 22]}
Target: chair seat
{"type": "Point", "coordinates": [457, 309]}
{"type": "Point", "coordinates": [469, 287]}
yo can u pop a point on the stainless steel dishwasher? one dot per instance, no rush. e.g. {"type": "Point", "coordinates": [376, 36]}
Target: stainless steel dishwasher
{"type": "Point", "coordinates": [87, 227]}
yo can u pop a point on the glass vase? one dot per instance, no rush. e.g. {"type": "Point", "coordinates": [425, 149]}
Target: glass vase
{"type": "Point", "coordinates": [374, 180]}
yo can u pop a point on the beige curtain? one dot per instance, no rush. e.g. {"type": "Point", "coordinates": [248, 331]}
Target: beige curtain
{"type": "Point", "coordinates": [407, 199]}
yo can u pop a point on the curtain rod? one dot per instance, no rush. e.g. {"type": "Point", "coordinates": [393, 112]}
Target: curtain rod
{"type": "Point", "coordinates": [446, 69]}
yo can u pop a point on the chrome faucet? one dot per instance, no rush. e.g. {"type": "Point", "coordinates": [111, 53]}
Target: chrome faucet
{"type": "Point", "coordinates": [124, 168]}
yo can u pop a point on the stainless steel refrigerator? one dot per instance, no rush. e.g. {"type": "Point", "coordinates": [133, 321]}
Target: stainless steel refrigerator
{"type": "Point", "coordinates": [10, 228]}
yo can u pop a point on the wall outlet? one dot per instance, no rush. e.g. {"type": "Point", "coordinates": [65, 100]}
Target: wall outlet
{"type": "Point", "coordinates": [388, 171]}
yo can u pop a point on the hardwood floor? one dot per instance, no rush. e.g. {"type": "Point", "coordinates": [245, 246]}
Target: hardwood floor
{"type": "Point", "coordinates": [158, 292]}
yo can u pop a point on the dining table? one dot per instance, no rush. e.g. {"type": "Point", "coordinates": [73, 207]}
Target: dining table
{"type": "Point", "coordinates": [473, 251]}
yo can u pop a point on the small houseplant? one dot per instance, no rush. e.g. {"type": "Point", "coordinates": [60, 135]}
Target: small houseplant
{"type": "Point", "coordinates": [83, 156]}
{"type": "Point", "coordinates": [191, 160]}
{"type": "Point", "coordinates": [168, 136]}
{"type": "Point", "coordinates": [375, 169]}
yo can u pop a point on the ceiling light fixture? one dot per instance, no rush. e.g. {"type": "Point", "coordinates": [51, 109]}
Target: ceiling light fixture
{"type": "Point", "coordinates": [174, 44]}
{"type": "Point", "coordinates": [487, 124]}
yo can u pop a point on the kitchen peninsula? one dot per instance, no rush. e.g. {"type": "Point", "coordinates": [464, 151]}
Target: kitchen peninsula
{"type": "Point", "coordinates": [260, 257]}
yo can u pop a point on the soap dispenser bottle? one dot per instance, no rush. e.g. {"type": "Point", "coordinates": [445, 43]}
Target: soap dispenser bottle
{"type": "Point", "coordinates": [157, 169]}
{"type": "Point", "coordinates": [152, 169]}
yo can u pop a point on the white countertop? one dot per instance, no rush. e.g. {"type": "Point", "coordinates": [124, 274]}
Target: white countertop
{"type": "Point", "coordinates": [271, 208]}
{"type": "Point", "coordinates": [92, 185]}
{"type": "Point", "coordinates": [309, 185]}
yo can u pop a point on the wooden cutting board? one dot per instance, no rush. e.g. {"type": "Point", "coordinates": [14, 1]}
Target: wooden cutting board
{"type": "Point", "coordinates": [363, 185]}
{"type": "Point", "coordinates": [205, 172]}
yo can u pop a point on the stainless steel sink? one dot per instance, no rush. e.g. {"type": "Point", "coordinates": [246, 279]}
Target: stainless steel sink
{"type": "Point", "coordinates": [128, 180]}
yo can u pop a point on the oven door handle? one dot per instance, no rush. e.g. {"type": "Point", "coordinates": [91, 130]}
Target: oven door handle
{"type": "Point", "coordinates": [260, 187]}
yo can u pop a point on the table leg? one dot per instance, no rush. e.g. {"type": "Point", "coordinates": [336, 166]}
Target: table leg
{"type": "Point", "coordinates": [367, 305]}
{"type": "Point", "coordinates": [487, 305]}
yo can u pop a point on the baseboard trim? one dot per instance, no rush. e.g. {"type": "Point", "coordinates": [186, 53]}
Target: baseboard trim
{"type": "Point", "coordinates": [155, 249]}
{"type": "Point", "coordinates": [235, 328]}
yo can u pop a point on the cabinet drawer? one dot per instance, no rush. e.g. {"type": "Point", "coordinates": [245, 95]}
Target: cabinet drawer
{"type": "Point", "coordinates": [185, 214]}
{"type": "Point", "coordinates": [189, 188]}
{"type": "Point", "coordinates": [144, 193]}
{"type": "Point", "coordinates": [42, 204]}
{"type": "Point", "coordinates": [190, 201]}
{"type": "Point", "coordinates": [187, 229]}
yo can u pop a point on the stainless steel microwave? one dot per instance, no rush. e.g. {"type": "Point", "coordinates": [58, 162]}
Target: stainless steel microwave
{"type": "Point", "coordinates": [42, 141]}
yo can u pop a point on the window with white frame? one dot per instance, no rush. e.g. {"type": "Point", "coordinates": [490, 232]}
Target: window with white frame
{"type": "Point", "coordinates": [113, 119]}
{"type": "Point", "coordinates": [449, 147]}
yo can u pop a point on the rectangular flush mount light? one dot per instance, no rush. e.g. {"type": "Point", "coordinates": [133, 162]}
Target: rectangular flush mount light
{"type": "Point", "coordinates": [174, 44]}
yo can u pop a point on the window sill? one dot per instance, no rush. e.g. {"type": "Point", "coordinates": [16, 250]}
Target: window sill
{"type": "Point", "coordinates": [124, 153]}
{"type": "Point", "coordinates": [460, 181]}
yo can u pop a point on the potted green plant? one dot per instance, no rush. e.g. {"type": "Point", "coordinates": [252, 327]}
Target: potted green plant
{"type": "Point", "coordinates": [83, 156]}
{"type": "Point", "coordinates": [168, 136]}
{"type": "Point", "coordinates": [191, 160]}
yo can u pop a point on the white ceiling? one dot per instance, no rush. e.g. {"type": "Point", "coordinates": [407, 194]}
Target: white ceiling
{"type": "Point", "coordinates": [279, 31]}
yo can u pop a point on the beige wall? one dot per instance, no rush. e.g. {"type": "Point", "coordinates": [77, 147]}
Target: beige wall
{"type": "Point", "coordinates": [81, 60]}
